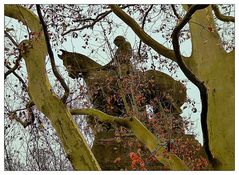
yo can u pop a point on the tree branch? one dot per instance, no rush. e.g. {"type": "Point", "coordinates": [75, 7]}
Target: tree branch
{"type": "Point", "coordinates": [98, 18]}
{"type": "Point", "coordinates": [160, 49]}
{"type": "Point", "coordinates": [31, 21]}
{"type": "Point", "coordinates": [142, 134]}
{"type": "Point", "coordinates": [200, 85]}
{"type": "Point", "coordinates": [11, 70]}
{"type": "Point", "coordinates": [101, 115]}
{"type": "Point", "coordinates": [143, 23]}
{"type": "Point", "coordinates": [220, 16]}
{"type": "Point", "coordinates": [175, 12]}
{"type": "Point", "coordinates": [51, 55]}
{"type": "Point", "coordinates": [11, 39]}
{"type": "Point", "coordinates": [16, 75]}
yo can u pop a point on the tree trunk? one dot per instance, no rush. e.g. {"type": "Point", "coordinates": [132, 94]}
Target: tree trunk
{"type": "Point", "coordinates": [34, 54]}
{"type": "Point", "coordinates": [215, 67]}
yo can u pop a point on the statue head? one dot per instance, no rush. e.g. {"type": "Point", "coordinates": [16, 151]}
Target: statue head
{"type": "Point", "coordinates": [119, 40]}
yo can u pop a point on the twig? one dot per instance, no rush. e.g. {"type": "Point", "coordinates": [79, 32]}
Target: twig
{"type": "Point", "coordinates": [11, 39]}
{"type": "Point", "coordinates": [202, 88]}
{"type": "Point", "coordinates": [11, 70]}
{"type": "Point", "coordinates": [107, 41]}
{"type": "Point", "coordinates": [56, 73]}
{"type": "Point", "coordinates": [8, 159]}
{"type": "Point", "coordinates": [95, 20]}
{"type": "Point", "coordinates": [146, 15]}
{"type": "Point", "coordinates": [143, 23]}
{"type": "Point", "coordinates": [220, 16]}
{"type": "Point", "coordinates": [175, 12]}
{"type": "Point", "coordinates": [16, 75]}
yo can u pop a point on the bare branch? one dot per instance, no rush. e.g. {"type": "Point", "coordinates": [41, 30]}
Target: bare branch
{"type": "Point", "coordinates": [94, 21]}
{"type": "Point", "coordinates": [11, 39]}
{"type": "Point", "coordinates": [175, 12]}
{"type": "Point", "coordinates": [16, 75]}
{"type": "Point", "coordinates": [200, 85]}
{"type": "Point", "coordinates": [220, 16]}
{"type": "Point", "coordinates": [142, 34]}
{"type": "Point", "coordinates": [97, 19]}
{"type": "Point", "coordinates": [55, 71]}
{"type": "Point", "coordinates": [146, 14]}
{"type": "Point", "coordinates": [143, 23]}
{"type": "Point", "coordinates": [8, 158]}
{"type": "Point", "coordinates": [11, 70]}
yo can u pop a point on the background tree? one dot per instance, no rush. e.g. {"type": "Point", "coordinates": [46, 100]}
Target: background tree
{"type": "Point", "coordinates": [123, 105]}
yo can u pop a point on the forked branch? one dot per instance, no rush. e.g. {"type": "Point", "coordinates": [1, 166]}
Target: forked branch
{"type": "Point", "coordinates": [10, 70]}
